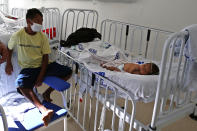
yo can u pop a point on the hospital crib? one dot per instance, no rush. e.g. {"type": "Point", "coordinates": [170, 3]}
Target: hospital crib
{"type": "Point", "coordinates": [139, 43]}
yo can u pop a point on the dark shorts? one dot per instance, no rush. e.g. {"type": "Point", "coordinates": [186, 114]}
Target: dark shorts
{"type": "Point", "coordinates": [28, 76]}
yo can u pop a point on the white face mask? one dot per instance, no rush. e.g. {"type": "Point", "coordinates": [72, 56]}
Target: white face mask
{"type": "Point", "coordinates": [36, 27]}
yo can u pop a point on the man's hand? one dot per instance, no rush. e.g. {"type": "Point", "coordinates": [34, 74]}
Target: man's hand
{"type": "Point", "coordinates": [40, 78]}
{"type": "Point", "coordinates": [9, 69]}
{"type": "Point", "coordinates": [3, 53]}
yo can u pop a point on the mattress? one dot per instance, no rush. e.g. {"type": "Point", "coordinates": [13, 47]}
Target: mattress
{"type": "Point", "coordinates": [142, 87]}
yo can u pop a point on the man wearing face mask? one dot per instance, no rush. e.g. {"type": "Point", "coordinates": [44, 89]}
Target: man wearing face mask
{"type": "Point", "coordinates": [33, 49]}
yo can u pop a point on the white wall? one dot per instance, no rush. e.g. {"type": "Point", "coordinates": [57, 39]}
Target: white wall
{"type": "Point", "coordinates": [172, 15]}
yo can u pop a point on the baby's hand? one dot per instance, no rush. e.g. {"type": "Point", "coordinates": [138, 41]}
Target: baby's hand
{"type": "Point", "coordinates": [102, 65]}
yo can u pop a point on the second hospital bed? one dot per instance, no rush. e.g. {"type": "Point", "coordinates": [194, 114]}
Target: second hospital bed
{"type": "Point", "coordinates": [16, 112]}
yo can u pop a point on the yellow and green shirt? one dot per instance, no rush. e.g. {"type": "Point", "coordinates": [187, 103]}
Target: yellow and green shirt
{"type": "Point", "coordinates": [30, 48]}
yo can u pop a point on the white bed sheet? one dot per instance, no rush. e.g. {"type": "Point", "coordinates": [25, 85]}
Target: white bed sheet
{"type": "Point", "coordinates": [15, 105]}
{"type": "Point", "coordinates": [142, 87]}
{"type": "Point", "coordinates": [7, 82]}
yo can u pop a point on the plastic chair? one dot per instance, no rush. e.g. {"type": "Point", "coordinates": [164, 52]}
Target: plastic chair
{"type": "Point", "coordinates": [32, 118]}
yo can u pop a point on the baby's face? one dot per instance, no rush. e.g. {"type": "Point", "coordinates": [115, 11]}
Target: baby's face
{"type": "Point", "coordinates": [145, 69]}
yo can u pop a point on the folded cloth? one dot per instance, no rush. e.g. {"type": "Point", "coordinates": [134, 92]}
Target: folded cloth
{"type": "Point", "coordinates": [79, 36]}
{"type": "Point", "coordinates": [190, 78]}
{"type": "Point", "coordinates": [191, 44]}
{"type": "Point", "coordinates": [190, 52]}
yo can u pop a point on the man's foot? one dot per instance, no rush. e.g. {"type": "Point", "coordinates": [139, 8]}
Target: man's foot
{"type": "Point", "coordinates": [46, 117]}
{"type": "Point", "coordinates": [46, 97]}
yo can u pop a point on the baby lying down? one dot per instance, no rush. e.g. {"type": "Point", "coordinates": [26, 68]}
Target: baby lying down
{"type": "Point", "coordinates": [141, 69]}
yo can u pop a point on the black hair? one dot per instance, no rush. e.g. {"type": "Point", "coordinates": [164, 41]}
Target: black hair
{"type": "Point", "coordinates": [154, 69]}
{"type": "Point", "coordinates": [31, 13]}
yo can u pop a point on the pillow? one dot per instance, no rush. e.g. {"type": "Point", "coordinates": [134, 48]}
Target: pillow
{"type": "Point", "coordinates": [9, 20]}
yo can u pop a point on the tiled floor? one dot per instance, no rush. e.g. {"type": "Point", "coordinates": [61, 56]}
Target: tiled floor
{"type": "Point", "coordinates": [184, 124]}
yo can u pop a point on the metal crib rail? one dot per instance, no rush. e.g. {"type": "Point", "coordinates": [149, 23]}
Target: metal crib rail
{"type": "Point", "coordinates": [123, 115]}
{"type": "Point", "coordinates": [137, 40]}
{"type": "Point", "coordinates": [5, 123]}
{"type": "Point", "coordinates": [175, 109]}
{"type": "Point", "coordinates": [4, 6]}
{"type": "Point", "coordinates": [51, 22]}
{"type": "Point", "coordinates": [74, 19]}
{"type": "Point", "coordinates": [20, 13]}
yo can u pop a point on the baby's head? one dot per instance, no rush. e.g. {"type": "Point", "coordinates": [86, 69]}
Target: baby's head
{"type": "Point", "coordinates": [149, 69]}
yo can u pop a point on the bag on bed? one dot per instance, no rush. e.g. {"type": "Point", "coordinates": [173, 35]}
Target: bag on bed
{"type": "Point", "coordinates": [80, 35]}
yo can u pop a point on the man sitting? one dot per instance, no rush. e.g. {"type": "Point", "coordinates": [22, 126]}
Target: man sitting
{"type": "Point", "coordinates": [33, 49]}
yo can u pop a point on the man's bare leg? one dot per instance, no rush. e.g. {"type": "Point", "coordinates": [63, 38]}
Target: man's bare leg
{"type": "Point", "coordinates": [46, 113]}
{"type": "Point", "coordinates": [47, 93]}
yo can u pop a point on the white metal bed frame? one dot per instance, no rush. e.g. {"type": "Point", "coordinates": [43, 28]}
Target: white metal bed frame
{"type": "Point", "coordinates": [181, 103]}
{"type": "Point", "coordinates": [185, 103]}
{"type": "Point", "coordinates": [134, 38]}
{"type": "Point", "coordinates": [5, 124]}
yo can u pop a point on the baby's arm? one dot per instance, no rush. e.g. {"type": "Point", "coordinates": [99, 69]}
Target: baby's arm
{"type": "Point", "coordinates": [111, 68]}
